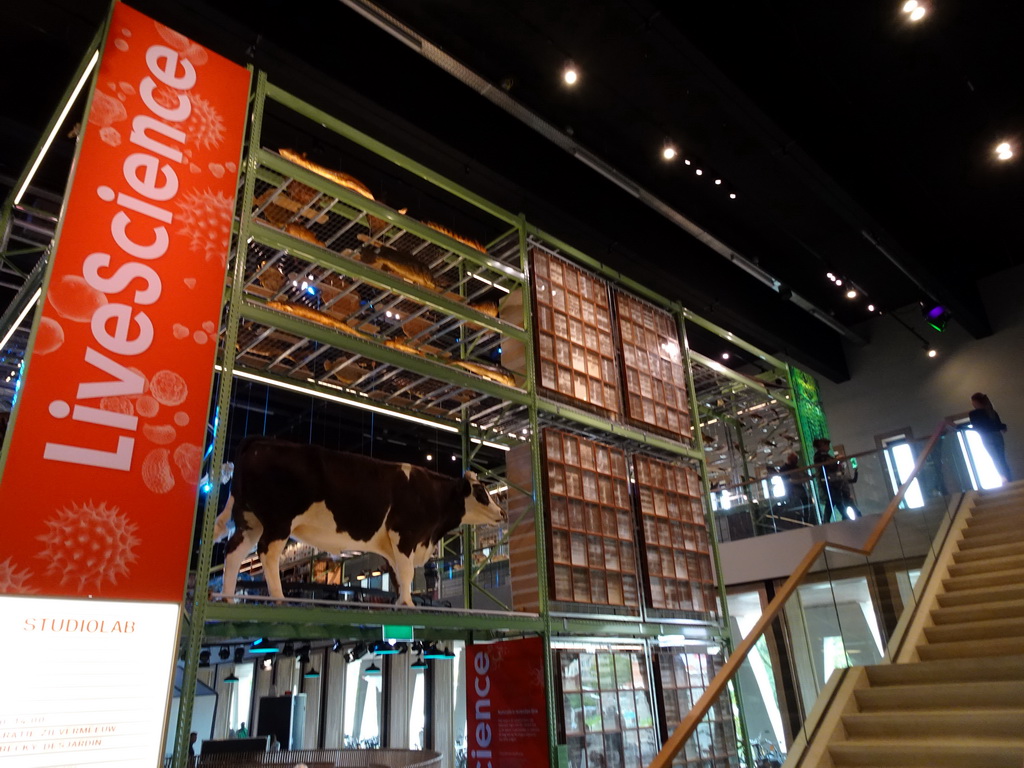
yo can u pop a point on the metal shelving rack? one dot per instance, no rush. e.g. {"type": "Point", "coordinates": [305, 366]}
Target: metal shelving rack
{"type": "Point", "coordinates": [310, 306]}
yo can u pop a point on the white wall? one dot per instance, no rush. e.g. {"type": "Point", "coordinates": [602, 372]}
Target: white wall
{"type": "Point", "coordinates": [894, 385]}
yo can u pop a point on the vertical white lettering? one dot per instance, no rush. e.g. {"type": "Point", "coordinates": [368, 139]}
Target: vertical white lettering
{"type": "Point", "coordinates": [92, 415]}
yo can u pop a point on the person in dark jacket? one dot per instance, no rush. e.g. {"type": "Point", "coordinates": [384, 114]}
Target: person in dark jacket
{"type": "Point", "coordinates": [990, 428]}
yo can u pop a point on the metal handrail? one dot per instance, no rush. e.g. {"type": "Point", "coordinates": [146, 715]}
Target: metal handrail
{"type": "Point", "coordinates": [718, 684]}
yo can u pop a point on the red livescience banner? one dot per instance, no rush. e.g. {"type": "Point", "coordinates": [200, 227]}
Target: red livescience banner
{"type": "Point", "coordinates": [99, 489]}
{"type": "Point", "coordinates": [505, 704]}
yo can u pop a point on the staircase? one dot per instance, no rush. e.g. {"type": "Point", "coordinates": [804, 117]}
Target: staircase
{"type": "Point", "coordinates": [954, 695]}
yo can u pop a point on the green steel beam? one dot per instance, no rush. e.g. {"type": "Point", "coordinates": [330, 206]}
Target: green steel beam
{"type": "Point", "coordinates": [732, 338]}
{"type": "Point", "coordinates": [276, 238]}
{"type": "Point", "coordinates": [588, 419]}
{"type": "Point", "coordinates": [268, 614]}
{"type": "Point", "coordinates": [424, 366]}
{"type": "Point", "coordinates": [381, 211]}
{"type": "Point", "coordinates": [402, 161]}
{"type": "Point", "coordinates": [196, 629]}
{"type": "Point", "coordinates": [739, 378]}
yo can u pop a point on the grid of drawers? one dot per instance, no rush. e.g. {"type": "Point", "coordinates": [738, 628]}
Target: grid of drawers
{"type": "Point", "coordinates": [575, 343]}
{"type": "Point", "coordinates": [684, 677]}
{"type": "Point", "coordinates": [593, 547]}
{"type": "Point", "coordinates": [654, 379]}
{"type": "Point", "coordinates": [676, 549]}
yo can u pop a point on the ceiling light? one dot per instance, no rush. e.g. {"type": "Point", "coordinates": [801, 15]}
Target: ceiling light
{"type": "Point", "coordinates": [936, 316]}
{"type": "Point", "coordinates": [725, 355]}
{"type": "Point", "coordinates": [871, 307]}
{"type": "Point", "coordinates": [830, 276]}
{"type": "Point", "coordinates": [669, 152]}
{"type": "Point", "coordinates": [718, 181]}
{"type": "Point", "coordinates": [56, 126]}
{"type": "Point", "coordinates": [311, 673]}
{"type": "Point", "coordinates": [732, 195]}
{"type": "Point", "coordinates": [851, 294]}
{"type": "Point", "coordinates": [1004, 151]}
{"type": "Point", "coordinates": [232, 678]}
{"type": "Point", "coordinates": [687, 162]}
{"type": "Point", "coordinates": [430, 457]}
{"type": "Point", "coordinates": [839, 281]}
{"type": "Point", "coordinates": [909, 6]}
{"type": "Point", "coordinates": [264, 646]}
{"type": "Point", "coordinates": [918, 13]}
{"type": "Point", "coordinates": [700, 172]}
{"type": "Point", "coordinates": [372, 671]}
{"type": "Point", "coordinates": [570, 74]}
{"type": "Point", "coordinates": [419, 663]}
{"type": "Point", "coordinates": [931, 351]}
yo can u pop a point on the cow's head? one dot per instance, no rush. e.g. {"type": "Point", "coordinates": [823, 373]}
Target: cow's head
{"type": "Point", "coordinates": [480, 507]}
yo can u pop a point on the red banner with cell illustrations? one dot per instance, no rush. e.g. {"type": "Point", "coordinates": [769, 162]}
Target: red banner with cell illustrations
{"type": "Point", "coordinates": [506, 712]}
{"type": "Point", "coordinates": [99, 490]}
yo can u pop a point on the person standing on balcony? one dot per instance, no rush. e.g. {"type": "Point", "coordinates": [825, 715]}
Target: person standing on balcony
{"type": "Point", "coordinates": [990, 428]}
{"type": "Point", "coordinates": [836, 485]}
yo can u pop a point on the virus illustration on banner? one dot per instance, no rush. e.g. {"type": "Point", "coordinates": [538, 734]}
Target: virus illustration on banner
{"type": "Point", "coordinates": [204, 127]}
{"type": "Point", "coordinates": [89, 543]}
{"type": "Point", "coordinates": [206, 219]}
{"type": "Point", "coordinates": [12, 580]}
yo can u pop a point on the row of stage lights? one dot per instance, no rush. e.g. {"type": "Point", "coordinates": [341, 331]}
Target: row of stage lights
{"type": "Point", "coordinates": [935, 315]}
{"type": "Point", "coordinates": [669, 151]}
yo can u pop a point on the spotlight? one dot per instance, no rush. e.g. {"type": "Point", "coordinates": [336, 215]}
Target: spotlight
{"type": "Point", "coordinates": [430, 457]}
{"type": "Point", "coordinates": [931, 351]}
{"type": "Point", "coordinates": [718, 181]}
{"type": "Point", "coordinates": [263, 645]}
{"type": "Point", "coordinates": [851, 294]}
{"type": "Point", "coordinates": [289, 648]}
{"type": "Point", "coordinates": [839, 281]}
{"type": "Point", "coordinates": [204, 657]}
{"type": "Point", "coordinates": [570, 74]}
{"type": "Point", "coordinates": [725, 355]}
{"type": "Point", "coordinates": [871, 307]}
{"type": "Point", "coordinates": [1004, 151]}
{"type": "Point", "coordinates": [224, 653]}
{"type": "Point", "coordinates": [239, 654]}
{"type": "Point", "coordinates": [699, 172]}
{"type": "Point", "coordinates": [732, 195]}
{"type": "Point", "coordinates": [937, 316]}
{"type": "Point", "coordinates": [336, 648]}
{"type": "Point", "coordinates": [669, 152]}
{"type": "Point", "coordinates": [384, 648]}
{"type": "Point", "coordinates": [830, 276]}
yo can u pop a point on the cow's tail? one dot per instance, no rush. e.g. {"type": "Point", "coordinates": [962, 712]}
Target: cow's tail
{"type": "Point", "coordinates": [220, 527]}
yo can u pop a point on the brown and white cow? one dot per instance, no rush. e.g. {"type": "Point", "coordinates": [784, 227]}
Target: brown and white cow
{"type": "Point", "coordinates": [338, 501]}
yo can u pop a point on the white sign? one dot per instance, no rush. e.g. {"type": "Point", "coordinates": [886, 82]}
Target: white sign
{"type": "Point", "coordinates": [84, 682]}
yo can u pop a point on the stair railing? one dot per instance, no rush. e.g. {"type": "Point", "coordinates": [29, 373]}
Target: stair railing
{"type": "Point", "coordinates": [731, 667]}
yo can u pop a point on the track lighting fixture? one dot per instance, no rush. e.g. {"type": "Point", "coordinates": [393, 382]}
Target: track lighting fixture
{"type": "Point", "coordinates": [204, 657]}
{"type": "Point", "coordinates": [224, 653]}
{"type": "Point", "coordinates": [239, 654]}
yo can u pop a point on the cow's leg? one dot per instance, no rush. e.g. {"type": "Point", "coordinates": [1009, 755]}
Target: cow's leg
{"type": "Point", "coordinates": [404, 568]}
{"type": "Point", "coordinates": [239, 546]}
{"type": "Point", "coordinates": [270, 558]}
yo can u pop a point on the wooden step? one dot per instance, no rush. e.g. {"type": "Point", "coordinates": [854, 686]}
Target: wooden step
{"type": "Point", "coordinates": [996, 609]}
{"type": "Point", "coordinates": [1004, 549]}
{"type": "Point", "coordinates": [997, 646]}
{"type": "Point", "coordinates": [967, 753]}
{"type": "Point", "coordinates": [990, 693]}
{"type": "Point", "coordinates": [974, 538]}
{"type": "Point", "coordinates": [970, 670]}
{"type": "Point", "coordinates": [973, 581]}
{"type": "Point", "coordinates": [976, 630]}
{"type": "Point", "coordinates": [990, 565]}
{"type": "Point", "coordinates": [929, 724]}
{"type": "Point", "coordinates": [981, 595]}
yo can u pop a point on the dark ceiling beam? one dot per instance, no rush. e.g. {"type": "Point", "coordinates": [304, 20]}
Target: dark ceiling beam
{"type": "Point", "coordinates": [962, 300]}
{"type": "Point", "coordinates": [501, 99]}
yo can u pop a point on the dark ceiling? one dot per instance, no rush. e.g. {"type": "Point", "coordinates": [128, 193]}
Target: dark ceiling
{"type": "Point", "coordinates": [854, 141]}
